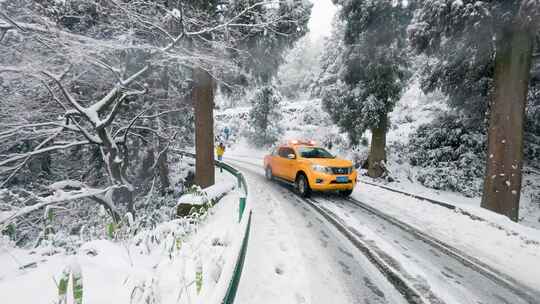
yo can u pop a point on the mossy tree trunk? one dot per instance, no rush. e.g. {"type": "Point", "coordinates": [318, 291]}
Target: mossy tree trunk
{"type": "Point", "coordinates": [203, 101]}
{"type": "Point", "coordinates": [377, 153]}
{"type": "Point", "coordinates": [502, 183]}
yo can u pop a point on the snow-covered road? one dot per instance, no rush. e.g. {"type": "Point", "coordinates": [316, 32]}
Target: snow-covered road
{"type": "Point", "coordinates": [436, 273]}
{"type": "Point", "coordinates": [297, 256]}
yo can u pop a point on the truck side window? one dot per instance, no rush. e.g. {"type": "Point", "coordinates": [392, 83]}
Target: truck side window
{"type": "Point", "coordinates": [284, 152]}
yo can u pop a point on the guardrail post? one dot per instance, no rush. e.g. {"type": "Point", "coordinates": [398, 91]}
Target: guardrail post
{"type": "Point", "coordinates": [242, 207]}
{"type": "Point", "coordinates": [242, 200]}
{"type": "Point", "coordinates": [239, 177]}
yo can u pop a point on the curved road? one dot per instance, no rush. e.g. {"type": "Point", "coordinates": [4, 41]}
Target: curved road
{"type": "Point", "coordinates": [337, 272]}
{"type": "Point", "coordinates": [285, 231]}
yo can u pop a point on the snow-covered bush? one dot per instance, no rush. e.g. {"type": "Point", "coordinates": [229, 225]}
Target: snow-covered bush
{"type": "Point", "coordinates": [532, 127]}
{"type": "Point", "coordinates": [359, 156]}
{"type": "Point", "coordinates": [6, 242]}
{"type": "Point", "coordinates": [265, 117]}
{"type": "Point", "coordinates": [450, 155]}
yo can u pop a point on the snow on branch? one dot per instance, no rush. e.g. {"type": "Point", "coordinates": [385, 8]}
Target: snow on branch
{"type": "Point", "coordinates": [27, 158]}
{"type": "Point", "coordinates": [63, 192]}
{"type": "Point", "coordinates": [43, 150]}
{"type": "Point", "coordinates": [94, 119]}
{"type": "Point", "coordinates": [8, 24]}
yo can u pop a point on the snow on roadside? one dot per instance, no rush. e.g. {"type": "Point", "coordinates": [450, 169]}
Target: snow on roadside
{"type": "Point", "coordinates": [529, 207]}
{"type": "Point", "coordinates": [465, 205]}
{"type": "Point", "coordinates": [181, 261]}
{"type": "Point", "coordinates": [504, 245]}
{"type": "Point", "coordinates": [211, 193]}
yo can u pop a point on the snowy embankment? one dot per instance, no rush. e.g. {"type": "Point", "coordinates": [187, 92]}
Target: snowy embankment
{"type": "Point", "coordinates": [211, 193]}
{"type": "Point", "coordinates": [186, 260]}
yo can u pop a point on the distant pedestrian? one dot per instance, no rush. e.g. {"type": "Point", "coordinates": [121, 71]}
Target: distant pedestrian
{"type": "Point", "coordinates": [220, 150]}
{"type": "Point", "coordinates": [227, 132]}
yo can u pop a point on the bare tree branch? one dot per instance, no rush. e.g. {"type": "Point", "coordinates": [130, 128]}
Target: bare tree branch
{"type": "Point", "coordinates": [43, 150]}
{"type": "Point", "coordinates": [66, 93]}
{"type": "Point", "coordinates": [59, 197]}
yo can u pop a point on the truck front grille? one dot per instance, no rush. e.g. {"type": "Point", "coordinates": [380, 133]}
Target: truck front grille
{"type": "Point", "coordinates": [341, 171]}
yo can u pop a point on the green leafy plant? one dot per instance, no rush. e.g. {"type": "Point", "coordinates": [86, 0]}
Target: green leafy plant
{"type": "Point", "coordinates": [111, 230]}
{"type": "Point", "coordinates": [71, 273]}
{"type": "Point", "coordinates": [199, 277]}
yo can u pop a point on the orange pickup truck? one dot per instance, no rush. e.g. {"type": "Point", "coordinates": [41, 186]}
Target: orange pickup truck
{"type": "Point", "coordinates": [310, 168]}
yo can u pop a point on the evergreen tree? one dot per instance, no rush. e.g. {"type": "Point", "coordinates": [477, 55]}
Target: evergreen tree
{"type": "Point", "coordinates": [261, 51]}
{"type": "Point", "coordinates": [485, 51]}
{"type": "Point", "coordinates": [331, 60]}
{"type": "Point", "coordinates": [448, 155]}
{"type": "Point", "coordinates": [376, 72]}
{"type": "Point", "coordinates": [265, 117]}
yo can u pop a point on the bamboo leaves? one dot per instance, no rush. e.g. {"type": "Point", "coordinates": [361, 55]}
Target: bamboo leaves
{"type": "Point", "coordinates": [199, 277]}
{"type": "Point", "coordinates": [71, 274]}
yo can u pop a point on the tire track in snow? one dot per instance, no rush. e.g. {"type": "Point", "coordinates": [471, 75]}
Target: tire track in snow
{"type": "Point", "coordinates": [470, 262]}
{"type": "Point", "coordinates": [431, 256]}
{"type": "Point", "coordinates": [409, 292]}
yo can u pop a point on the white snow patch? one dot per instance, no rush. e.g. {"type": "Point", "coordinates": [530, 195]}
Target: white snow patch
{"type": "Point", "coordinates": [210, 193]}
{"type": "Point", "coordinates": [160, 263]}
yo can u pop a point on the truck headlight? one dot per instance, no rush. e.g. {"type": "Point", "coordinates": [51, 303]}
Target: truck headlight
{"type": "Point", "coordinates": [322, 169]}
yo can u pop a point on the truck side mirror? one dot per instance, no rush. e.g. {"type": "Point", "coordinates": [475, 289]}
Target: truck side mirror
{"type": "Point", "coordinates": [291, 156]}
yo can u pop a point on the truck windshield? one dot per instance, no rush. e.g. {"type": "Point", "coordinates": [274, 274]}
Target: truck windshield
{"type": "Point", "coordinates": [312, 152]}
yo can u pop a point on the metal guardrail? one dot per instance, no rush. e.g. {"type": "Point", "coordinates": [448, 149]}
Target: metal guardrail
{"type": "Point", "coordinates": [235, 280]}
{"type": "Point", "coordinates": [243, 192]}
{"type": "Point", "coordinates": [242, 186]}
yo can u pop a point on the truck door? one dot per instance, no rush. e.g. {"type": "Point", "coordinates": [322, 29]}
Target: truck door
{"type": "Point", "coordinates": [277, 162]}
{"type": "Point", "coordinates": [287, 165]}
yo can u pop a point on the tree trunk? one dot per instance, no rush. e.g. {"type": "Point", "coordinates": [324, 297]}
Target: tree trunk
{"type": "Point", "coordinates": [502, 183]}
{"type": "Point", "coordinates": [162, 164]}
{"type": "Point", "coordinates": [377, 154]}
{"type": "Point", "coordinates": [115, 162]}
{"type": "Point", "coordinates": [203, 101]}
{"type": "Point", "coordinates": [145, 170]}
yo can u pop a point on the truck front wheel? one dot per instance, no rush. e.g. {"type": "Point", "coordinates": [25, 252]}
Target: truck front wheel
{"type": "Point", "coordinates": [345, 193]}
{"type": "Point", "coordinates": [268, 173]}
{"type": "Point", "coordinates": [302, 186]}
